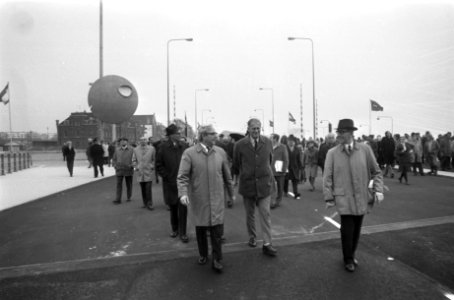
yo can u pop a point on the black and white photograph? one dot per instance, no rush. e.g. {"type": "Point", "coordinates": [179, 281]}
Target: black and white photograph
{"type": "Point", "coordinates": [226, 149]}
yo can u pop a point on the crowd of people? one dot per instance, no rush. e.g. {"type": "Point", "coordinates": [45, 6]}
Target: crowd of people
{"type": "Point", "coordinates": [202, 176]}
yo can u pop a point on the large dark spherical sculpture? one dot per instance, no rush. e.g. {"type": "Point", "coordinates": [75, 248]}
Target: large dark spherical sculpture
{"type": "Point", "coordinates": [112, 99]}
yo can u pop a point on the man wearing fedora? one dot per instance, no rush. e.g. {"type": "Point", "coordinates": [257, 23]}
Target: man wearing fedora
{"type": "Point", "coordinates": [167, 163]}
{"type": "Point", "coordinates": [352, 182]}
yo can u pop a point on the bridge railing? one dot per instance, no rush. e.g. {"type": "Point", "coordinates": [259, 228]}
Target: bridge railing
{"type": "Point", "coordinates": [15, 161]}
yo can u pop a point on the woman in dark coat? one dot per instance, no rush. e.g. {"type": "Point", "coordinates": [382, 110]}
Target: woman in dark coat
{"type": "Point", "coordinates": [404, 153]}
{"type": "Point", "coordinates": [388, 146]}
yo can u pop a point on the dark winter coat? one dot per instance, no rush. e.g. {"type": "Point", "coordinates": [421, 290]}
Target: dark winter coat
{"type": "Point", "coordinates": [97, 154]}
{"type": "Point", "coordinates": [167, 164]}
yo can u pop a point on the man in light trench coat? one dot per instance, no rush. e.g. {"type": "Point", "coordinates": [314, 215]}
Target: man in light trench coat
{"type": "Point", "coordinates": [143, 162]}
{"type": "Point", "coordinates": [352, 182]}
{"type": "Point", "coordinates": [203, 172]}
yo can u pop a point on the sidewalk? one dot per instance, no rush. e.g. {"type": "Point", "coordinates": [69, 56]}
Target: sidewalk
{"type": "Point", "coordinates": [44, 179]}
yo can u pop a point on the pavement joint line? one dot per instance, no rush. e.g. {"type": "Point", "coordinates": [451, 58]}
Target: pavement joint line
{"type": "Point", "coordinates": [163, 255]}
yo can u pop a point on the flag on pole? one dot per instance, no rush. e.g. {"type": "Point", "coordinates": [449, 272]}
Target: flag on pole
{"type": "Point", "coordinates": [271, 123]}
{"type": "Point", "coordinates": [374, 106]}
{"type": "Point", "coordinates": [4, 94]}
{"type": "Point", "coordinates": [291, 118]}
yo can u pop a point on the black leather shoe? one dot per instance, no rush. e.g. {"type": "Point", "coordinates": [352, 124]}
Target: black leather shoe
{"type": "Point", "coordinates": [149, 205]}
{"type": "Point", "coordinates": [116, 202]}
{"type": "Point", "coordinates": [252, 242]}
{"type": "Point", "coordinates": [202, 260]}
{"type": "Point", "coordinates": [269, 250]}
{"type": "Point", "coordinates": [184, 238]}
{"type": "Point", "coordinates": [216, 265]}
{"type": "Point", "coordinates": [174, 234]}
{"type": "Point", "coordinates": [350, 267]}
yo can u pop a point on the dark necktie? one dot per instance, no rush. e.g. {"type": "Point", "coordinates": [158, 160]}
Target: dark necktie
{"type": "Point", "coordinates": [255, 144]}
{"type": "Point", "coordinates": [349, 149]}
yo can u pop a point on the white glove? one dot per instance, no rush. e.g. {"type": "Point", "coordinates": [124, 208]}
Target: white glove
{"type": "Point", "coordinates": [233, 198]}
{"type": "Point", "coordinates": [184, 200]}
{"type": "Point", "coordinates": [379, 197]}
{"type": "Point", "coordinates": [330, 203]}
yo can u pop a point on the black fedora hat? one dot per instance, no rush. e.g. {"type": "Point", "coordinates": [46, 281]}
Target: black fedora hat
{"type": "Point", "coordinates": [172, 129]}
{"type": "Point", "coordinates": [346, 124]}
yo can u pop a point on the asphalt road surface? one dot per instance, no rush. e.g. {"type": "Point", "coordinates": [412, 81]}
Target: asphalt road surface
{"type": "Point", "coordinates": [77, 245]}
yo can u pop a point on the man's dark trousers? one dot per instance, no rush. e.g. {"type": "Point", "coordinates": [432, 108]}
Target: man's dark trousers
{"type": "Point", "coordinates": [147, 196]}
{"type": "Point", "coordinates": [70, 165]}
{"type": "Point", "coordinates": [178, 217]}
{"type": "Point", "coordinates": [215, 235]}
{"type": "Point", "coordinates": [101, 169]}
{"type": "Point", "coordinates": [350, 232]}
{"type": "Point", "coordinates": [128, 181]}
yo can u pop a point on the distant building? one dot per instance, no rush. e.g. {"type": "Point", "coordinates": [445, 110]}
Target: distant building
{"type": "Point", "coordinates": [80, 126]}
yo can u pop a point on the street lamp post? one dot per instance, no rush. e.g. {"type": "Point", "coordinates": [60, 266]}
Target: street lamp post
{"type": "Point", "coordinates": [272, 103]}
{"type": "Point", "coordinates": [392, 122]}
{"type": "Point", "coordinates": [195, 100]}
{"type": "Point", "coordinates": [313, 80]}
{"type": "Point", "coordinates": [204, 110]}
{"type": "Point", "coordinates": [168, 89]}
{"type": "Point", "coordinates": [263, 118]}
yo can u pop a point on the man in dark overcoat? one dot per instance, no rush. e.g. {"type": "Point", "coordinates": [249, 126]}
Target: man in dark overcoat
{"type": "Point", "coordinates": [122, 163]}
{"type": "Point", "coordinates": [167, 164]}
{"type": "Point", "coordinates": [97, 156]}
{"type": "Point", "coordinates": [388, 146]}
{"type": "Point", "coordinates": [252, 157]}
{"type": "Point", "coordinates": [69, 153]}
{"type": "Point", "coordinates": [295, 165]}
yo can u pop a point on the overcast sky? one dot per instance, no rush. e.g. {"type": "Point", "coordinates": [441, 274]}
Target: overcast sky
{"type": "Point", "coordinates": [397, 53]}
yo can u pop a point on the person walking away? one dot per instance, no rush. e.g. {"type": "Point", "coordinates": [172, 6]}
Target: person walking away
{"type": "Point", "coordinates": [144, 162]}
{"type": "Point", "coordinates": [311, 163]}
{"type": "Point", "coordinates": [167, 163]}
{"type": "Point", "coordinates": [388, 147]}
{"type": "Point", "coordinates": [252, 157]}
{"type": "Point", "coordinates": [97, 156]}
{"type": "Point", "coordinates": [279, 165]}
{"type": "Point", "coordinates": [122, 162]}
{"type": "Point", "coordinates": [70, 154]}
{"type": "Point", "coordinates": [204, 171]}
{"type": "Point", "coordinates": [352, 182]}
{"type": "Point", "coordinates": [404, 152]}
{"type": "Point", "coordinates": [295, 166]}
{"type": "Point", "coordinates": [431, 149]}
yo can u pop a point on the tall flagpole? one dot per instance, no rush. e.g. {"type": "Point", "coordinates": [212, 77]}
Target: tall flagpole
{"type": "Point", "coordinates": [10, 126]}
